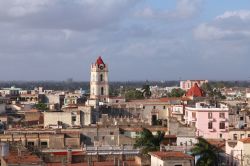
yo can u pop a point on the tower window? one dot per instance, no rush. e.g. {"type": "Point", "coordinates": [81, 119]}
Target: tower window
{"type": "Point", "coordinates": [101, 77]}
{"type": "Point", "coordinates": [102, 91]}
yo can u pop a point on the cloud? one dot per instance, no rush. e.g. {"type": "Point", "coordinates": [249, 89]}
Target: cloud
{"type": "Point", "coordinates": [231, 25]}
{"type": "Point", "coordinates": [241, 14]}
{"type": "Point", "coordinates": [184, 9]}
{"type": "Point", "coordinates": [63, 14]}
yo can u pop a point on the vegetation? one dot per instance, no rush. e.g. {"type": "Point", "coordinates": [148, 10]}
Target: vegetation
{"type": "Point", "coordinates": [133, 94]}
{"type": "Point", "coordinates": [212, 91]}
{"type": "Point", "coordinates": [146, 91]}
{"type": "Point", "coordinates": [208, 153]}
{"type": "Point", "coordinates": [176, 93]}
{"type": "Point", "coordinates": [148, 142]}
{"type": "Point", "coordinates": [41, 106]}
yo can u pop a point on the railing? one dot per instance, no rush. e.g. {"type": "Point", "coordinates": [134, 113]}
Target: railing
{"type": "Point", "coordinates": [105, 150]}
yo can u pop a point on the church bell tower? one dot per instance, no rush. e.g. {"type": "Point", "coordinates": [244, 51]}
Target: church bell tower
{"type": "Point", "coordinates": [99, 87]}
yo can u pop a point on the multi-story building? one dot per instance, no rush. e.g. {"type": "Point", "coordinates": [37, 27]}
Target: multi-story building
{"type": "Point", "coordinates": [210, 121]}
{"type": "Point", "coordinates": [186, 85]}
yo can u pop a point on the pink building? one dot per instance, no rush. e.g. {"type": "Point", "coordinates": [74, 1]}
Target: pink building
{"type": "Point", "coordinates": [186, 85]}
{"type": "Point", "coordinates": [210, 121]}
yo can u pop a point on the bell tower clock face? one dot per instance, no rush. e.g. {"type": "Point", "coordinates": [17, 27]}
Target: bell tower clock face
{"type": "Point", "coordinates": [101, 66]}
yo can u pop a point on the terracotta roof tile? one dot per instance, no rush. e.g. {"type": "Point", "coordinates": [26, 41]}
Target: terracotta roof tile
{"type": "Point", "coordinates": [195, 91]}
{"type": "Point", "coordinates": [99, 61]}
{"type": "Point", "coordinates": [245, 140]}
{"type": "Point", "coordinates": [170, 155]}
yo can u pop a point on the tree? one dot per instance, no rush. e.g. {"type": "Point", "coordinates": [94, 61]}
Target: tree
{"type": "Point", "coordinates": [41, 106]}
{"type": "Point", "coordinates": [212, 91]}
{"type": "Point", "coordinates": [148, 142]}
{"type": "Point", "coordinates": [146, 91]}
{"type": "Point", "coordinates": [176, 93]}
{"type": "Point", "coordinates": [132, 94]}
{"type": "Point", "coordinates": [208, 153]}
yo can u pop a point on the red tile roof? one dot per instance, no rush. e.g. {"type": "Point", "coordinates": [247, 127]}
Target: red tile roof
{"type": "Point", "coordinates": [195, 91]}
{"type": "Point", "coordinates": [245, 140]}
{"type": "Point", "coordinates": [99, 61]}
{"type": "Point", "coordinates": [25, 158]}
{"type": "Point", "coordinates": [170, 155]}
{"type": "Point", "coordinates": [103, 163]}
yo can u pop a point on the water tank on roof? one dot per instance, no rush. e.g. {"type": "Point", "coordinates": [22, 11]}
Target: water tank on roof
{"type": "Point", "coordinates": [4, 149]}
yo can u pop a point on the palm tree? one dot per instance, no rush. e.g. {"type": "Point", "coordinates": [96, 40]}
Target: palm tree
{"type": "Point", "coordinates": [146, 91]}
{"type": "Point", "coordinates": [208, 153]}
{"type": "Point", "coordinates": [148, 142]}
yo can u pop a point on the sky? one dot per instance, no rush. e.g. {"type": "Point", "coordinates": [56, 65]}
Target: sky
{"type": "Point", "coordinates": [138, 39]}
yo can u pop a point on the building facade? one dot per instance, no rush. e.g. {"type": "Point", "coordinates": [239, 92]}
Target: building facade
{"type": "Point", "coordinates": [210, 121]}
{"type": "Point", "coordinates": [187, 84]}
{"type": "Point", "coordinates": [99, 87]}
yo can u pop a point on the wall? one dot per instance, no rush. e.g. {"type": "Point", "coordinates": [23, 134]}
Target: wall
{"type": "Point", "coordinates": [201, 122]}
{"type": "Point", "coordinates": [52, 118]}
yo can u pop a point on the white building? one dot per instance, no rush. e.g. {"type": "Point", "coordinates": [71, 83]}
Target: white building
{"type": "Point", "coordinates": [171, 158]}
{"type": "Point", "coordinates": [99, 86]}
{"type": "Point", "coordinates": [239, 152]}
{"type": "Point", "coordinates": [186, 85]}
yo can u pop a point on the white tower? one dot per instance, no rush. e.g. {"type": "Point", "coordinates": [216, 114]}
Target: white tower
{"type": "Point", "coordinates": [99, 87]}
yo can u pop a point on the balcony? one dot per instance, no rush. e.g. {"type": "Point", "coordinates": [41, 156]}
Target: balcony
{"type": "Point", "coordinates": [212, 130]}
{"type": "Point", "coordinates": [223, 129]}
{"type": "Point", "coordinates": [222, 119]}
{"type": "Point", "coordinates": [211, 119]}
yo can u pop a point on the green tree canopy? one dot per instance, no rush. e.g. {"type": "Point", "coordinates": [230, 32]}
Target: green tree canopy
{"type": "Point", "coordinates": [212, 91]}
{"type": "Point", "coordinates": [41, 106]}
{"type": "Point", "coordinates": [208, 153]}
{"type": "Point", "coordinates": [146, 91]}
{"type": "Point", "coordinates": [148, 142]}
{"type": "Point", "coordinates": [176, 92]}
{"type": "Point", "coordinates": [132, 94]}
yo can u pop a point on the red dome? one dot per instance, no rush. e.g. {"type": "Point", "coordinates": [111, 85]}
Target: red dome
{"type": "Point", "coordinates": [195, 91]}
{"type": "Point", "coordinates": [99, 61]}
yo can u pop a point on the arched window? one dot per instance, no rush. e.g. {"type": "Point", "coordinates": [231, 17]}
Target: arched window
{"type": "Point", "coordinates": [102, 91]}
{"type": "Point", "coordinates": [101, 77]}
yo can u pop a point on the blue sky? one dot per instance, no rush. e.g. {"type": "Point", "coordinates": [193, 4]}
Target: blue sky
{"type": "Point", "coordinates": [139, 39]}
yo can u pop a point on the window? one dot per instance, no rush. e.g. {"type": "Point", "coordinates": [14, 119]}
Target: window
{"type": "Point", "coordinates": [222, 125]}
{"type": "Point", "coordinates": [31, 143]}
{"type": "Point", "coordinates": [73, 118]}
{"type": "Point", "coordinates": [235, 137]}
{"type": "Point", "coordinates": [164, 107]}
{"type": "Point", "coordinates": [101, 77]}
{"type": "Point", "coordinates": [241, 118]}
{"type": "Point", "coordinates": [222, 115]}
{"type": "Point", "coordinates": [143, 107]}
{"type": "Point", "coordinates": [154, 107]}
{"type": "Point", "coordinates": [210, 115]}
{"type": "Point", "coordinates": [220, 135]}
{"type": "Point", "coordinates": [111, 133]}
{"type": "Point", "coordinates": [210, 125]}
{"type": "Point", "coordinates": [242, 136]}
{"type": "Point", "coordinates": [102, 91]}
{"type": "Point", "coordinates": [44, 144]}
{"type": "Point", "coordinates": [248, 135]}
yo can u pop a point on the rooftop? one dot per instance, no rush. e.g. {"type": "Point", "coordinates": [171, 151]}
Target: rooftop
{"type": "Point", "coordinates": [170, 155]}
{"type": "Point", "coordinates": [24, 157]}
{"type": "Point", "coordinates": [245, 140]}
